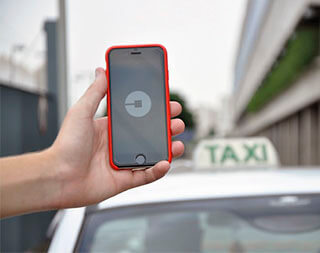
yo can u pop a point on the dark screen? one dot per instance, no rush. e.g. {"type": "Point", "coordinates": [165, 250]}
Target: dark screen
{"type": "Point", "coordinates": [138, 109]}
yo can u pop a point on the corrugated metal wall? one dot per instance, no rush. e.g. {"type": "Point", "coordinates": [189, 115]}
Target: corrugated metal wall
{"type": "Point", "coordinates": [20, 133]}
{"type": "Point", "coordinates": [297, 137]}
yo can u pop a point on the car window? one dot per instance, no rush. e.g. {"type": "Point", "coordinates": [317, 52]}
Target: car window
{"type": "Point", "coordinates": [207, 226]}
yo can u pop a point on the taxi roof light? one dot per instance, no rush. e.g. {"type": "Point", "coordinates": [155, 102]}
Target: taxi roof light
{"type": "Point", "coordinates": [233, 153]}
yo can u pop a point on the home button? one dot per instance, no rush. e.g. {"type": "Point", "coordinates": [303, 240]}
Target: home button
{"type": "Point", "coordinates": [140, 159]}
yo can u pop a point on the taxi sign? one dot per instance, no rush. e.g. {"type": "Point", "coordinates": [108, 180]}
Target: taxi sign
{"type": "Point", "coordinates": [235, 152]}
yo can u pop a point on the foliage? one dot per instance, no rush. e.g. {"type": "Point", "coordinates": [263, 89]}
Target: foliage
{"type": "Point", "coordinates": [186, 115]}
{"type": "Point", "coordinates": [211, 132]}
{"type": "Point", "coordinates": [300, 51]}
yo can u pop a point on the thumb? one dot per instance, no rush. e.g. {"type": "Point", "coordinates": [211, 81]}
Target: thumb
{"type": "Point", "coordinates": [94, 94]}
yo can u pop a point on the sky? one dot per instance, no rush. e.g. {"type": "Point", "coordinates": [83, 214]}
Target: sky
{"type": "Point", "coordinates": [201, 38]}
{"type": "Point", "coordinates": [21, 23]}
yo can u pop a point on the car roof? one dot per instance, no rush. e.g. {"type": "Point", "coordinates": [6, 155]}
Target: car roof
{"type": "Point", "coordinates": [194, 186]}
{"type": "Point", "coordinates": [207, 185]}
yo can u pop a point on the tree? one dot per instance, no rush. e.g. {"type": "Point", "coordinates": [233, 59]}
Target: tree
{"type": "Point", "coordinates": [186, 115]}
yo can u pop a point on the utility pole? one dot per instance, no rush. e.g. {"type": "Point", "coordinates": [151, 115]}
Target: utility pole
{"type": "Point", "coordinates": [62, 62]}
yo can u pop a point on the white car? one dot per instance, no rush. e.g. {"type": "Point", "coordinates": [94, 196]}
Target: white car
{"type": "Point", "coordinates": [245, 211]}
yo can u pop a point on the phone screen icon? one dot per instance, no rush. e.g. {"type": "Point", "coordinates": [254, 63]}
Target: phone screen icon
{"type": "Point", "coordinates": [138, 103]}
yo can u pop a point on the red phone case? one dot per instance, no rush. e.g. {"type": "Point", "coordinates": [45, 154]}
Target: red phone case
{"type": "Point", "coordinates": [167, 99]}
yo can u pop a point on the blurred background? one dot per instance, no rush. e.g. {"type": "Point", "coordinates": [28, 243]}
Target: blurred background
{"type": "Point", "coordinates": [240, 68]}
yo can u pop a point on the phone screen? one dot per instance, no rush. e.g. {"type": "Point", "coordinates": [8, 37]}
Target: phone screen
{"type": "Point", "coordinates": [138, 106]}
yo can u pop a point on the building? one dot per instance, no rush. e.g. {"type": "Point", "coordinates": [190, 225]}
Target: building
{"type": "Point", "coordinates": [224, 120]}
{"type": "Point", "coordinates": [277, 78]}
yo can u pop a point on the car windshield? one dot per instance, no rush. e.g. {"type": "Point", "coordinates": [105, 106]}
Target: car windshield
{"type": "Point", "coordinates": [265, 224]}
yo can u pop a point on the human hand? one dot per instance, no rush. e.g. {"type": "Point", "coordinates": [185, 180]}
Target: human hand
{"type": "Point", "coordinates": [81, 153]}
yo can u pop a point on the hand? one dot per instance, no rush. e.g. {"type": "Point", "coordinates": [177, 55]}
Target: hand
{"type": "Point", "coordinates": [81, 153]}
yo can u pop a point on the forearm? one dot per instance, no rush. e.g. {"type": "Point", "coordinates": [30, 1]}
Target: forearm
{"type": "Point", "coordinates": [28, 183]}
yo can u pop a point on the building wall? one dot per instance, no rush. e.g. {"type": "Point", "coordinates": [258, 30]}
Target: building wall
{"type": "Point", "coordinates": [291, 119]}
{"type": "Point", "coordinates": [297, 137]}
{"type": "Point", "coordinates": [279, 21]}
{"type": "Point", "coordinates": [255, 13]}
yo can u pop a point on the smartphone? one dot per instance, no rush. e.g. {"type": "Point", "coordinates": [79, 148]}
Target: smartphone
{"type": "Point", "coordinates": [138, 106]}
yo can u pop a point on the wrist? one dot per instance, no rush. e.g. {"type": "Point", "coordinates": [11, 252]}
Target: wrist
{"type": "Point", "coordinates": [51, 178]}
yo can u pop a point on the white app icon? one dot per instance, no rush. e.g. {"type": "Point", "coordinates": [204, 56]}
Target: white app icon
{"type": "Point", "coordinates": [138, 103]}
